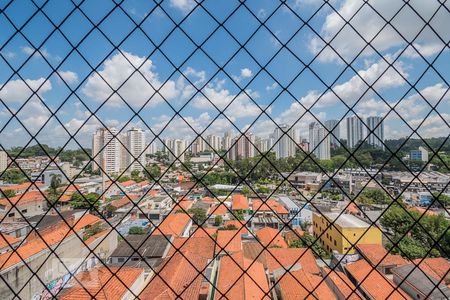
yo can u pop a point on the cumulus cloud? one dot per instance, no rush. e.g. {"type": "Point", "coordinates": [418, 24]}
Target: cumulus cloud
{"type": "Point", "coordinates": [379, 75]}
{"type": "Point", "coordinates": [136, 90]}
{"type": "Point", "coordinates": [371, 26]}
{"type": "Point", "coordinates": [272, 86]}
{"type": "Point", "coordinates": [18, 91]}
{"type": "Point", "coordinates": [68, 76]}
{"type": "Point", "coordinates": [184, 5]}
{"type": "Point", "coordinates": [245, 73]}
{"type": "Point", "coordinates": [32, 51]}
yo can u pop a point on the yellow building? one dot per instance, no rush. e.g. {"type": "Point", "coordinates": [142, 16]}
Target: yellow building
{"type": "Point", "coordinates": [346, 230]}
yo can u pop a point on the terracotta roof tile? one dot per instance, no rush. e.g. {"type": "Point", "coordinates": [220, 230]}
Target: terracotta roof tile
{"type": "Point", "coordinates": [219, 209]}
{"type": "Point", "coordinates": [230, 240]}
{"type": "Point", "coordinates": [173, 224]}
{"type": "Point", "coordinates": [200, 246]}
{"type": "Point", "coordinates": [204, 232]}
{"type": "Point", "coordinates": [269, 205]}
{"type": "Point", "coordinates": [123, 201]}
{"type": "Point", "coordinates": [239, 201]}
{"type": "Point", "coordinates": [177, 273]}
{"type": "Point", "coordinates": [342, 283]}
{"type": "Point", "coordinates": [22, 199]}
{"type": "Point", "coordinates": [108, 283]}
{"type": "Point", "coordinates": [286, 257]}
{"type": "Point", "coordinates": [233, 283]}
{"type": "Point", "coordinates": [23, 186]}
{"type": "Point", "coordinates": [293, 235]}
{"type": "Point", "coordinates": [437, 267]}
{"type": "Point", "coordinates": [271, 237]}
{"type": "Point", "coordinates": [128, 183]}
{"type": "Point", "coordinates": [6, 240]}
{"type": "Point", "coordinates": [303, 285]}
{"type": "Point", "coordinates": [377, 255]}
{"type": "Point", "coordinates": [240, 225]}
{"type": "Point", "coordinates": [373, 282]}
{"type": "Point", "coordinates": [86, 220]}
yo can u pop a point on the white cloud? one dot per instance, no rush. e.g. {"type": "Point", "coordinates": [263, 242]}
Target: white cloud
{"type": "Point", "coordinates": [272, 86]}
{"type": "Point", "coordinates": [379, 75]}
{"type": "Point", "coordinates": [19, 91]}
{"type": "Point", "coordinates": [245, 73]}
{"type": "Point", "coordinates": [369, 24]}
{"type": "Point", "coordinates": [68, 76]}
{"type": "Point", "coordinates": [184, 5]}
{"type": "Point", "coordinates": [31, 51]}
{"type": "Point", "coordinates": [136, 90]}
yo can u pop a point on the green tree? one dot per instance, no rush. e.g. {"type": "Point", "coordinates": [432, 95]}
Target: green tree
{"type": "Point", "coordinates": [136, 230]}
{"type": "Point", "coordinates": [53, 193]}
{"type": "Point", "coordinates": [7, 193]}
{"type": "Point", "coordinates": [378, 196]}
{"type": "Point", "coordinates": [218, 220]}
{"type": "Point", "coordinates": [152, 171]}
{"type": "Point", "coordinates": [239, 215]}
{"type": "Point", "coordinates": [88, 201]}
{"type": "Point", "coordinates": [14, 176]}
{"type": "Point", "coordinates": [198, 215]}
{"type": "Point", "coordinates": [442, 199]}
{"type": "Point", "coordinates": [307, 241]}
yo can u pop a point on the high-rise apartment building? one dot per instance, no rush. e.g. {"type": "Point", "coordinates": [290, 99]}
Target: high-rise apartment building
{"type": "Point", "coordinates": [135, 152]}
{"type": "Point", "coordinates": [3, 161]}
{"type": "Point", "coordinates": [199, 145]}
{"type": "Point", "coordinates": [215, 142]}
{"type": "Point", "coordinates": [242, 147]}
{"type": "Point", "coordinates": [285, 139]}
{"type": "Point", "coordinates": [177, 149]}
{"type": "Point", "coordinates": [333, 126]}
{"type": "Point", "coordinates": [375, 129]}
{"type": "Point", "coordinates": [226, 141]}
{"type": "Point", "coordinates": [354, 131]}
{"type": "Point", "coordinates": [319, 141]}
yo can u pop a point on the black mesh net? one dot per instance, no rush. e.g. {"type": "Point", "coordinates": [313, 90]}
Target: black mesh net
{"type": "Point", "coordinates": [186, 149]}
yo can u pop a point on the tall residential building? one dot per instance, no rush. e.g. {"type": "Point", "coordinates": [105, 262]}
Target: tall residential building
{"type": "Point", "coordinates": [215, 142]}
{"type": "Point", "coordinates": [135, 156]}
{"type": "Point", "coordinates": [319, 141]}
{"type": "Point", "coordinates": [152, 148]}
{"type": "Point", "coordinates": [3, 161]}
{"type": "Point", "coordinates": [199, 145]}
{"type": "Point", "coordinates": [177, 149]}
{"type": "Point", "coordinates": [333, 126]}
{"type": "Point", "coordinates": [262, 144]}
{"type": "Point", "coordinates": [242, 147]}
{"type": "Point", "coordinates": [285, 139]}
{"type": "Point", "coordinates": [106, 151]}
{"type": "Point", "coordinates": [376, 138]}
{"type": "Point", "coordinates": [354, 131]}
{"type": "Point", "coordinates": [226, 141]}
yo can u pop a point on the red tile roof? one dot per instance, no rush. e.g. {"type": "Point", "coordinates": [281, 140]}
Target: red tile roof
{"type": "Point", "coordinates": [239, 201]}
{"type": "Point", "coordinates": [280, 257]}
{"type": "Point", "coordinates": [219, 209]}
{"type": "Point", "coordinates": [303, 285]}
{"type": "Point", "coordinates": [240, 225]}
{"type": "Point", "coordinates": [373, 282]}
{"type": "Point", "coordinates": [270, 205]}
{"type": "Point", "coordinates": [437, 267]}
{"type": "Point", "coordinates": [202, 232]}
{"type": "Point", "coordinates": [200, 246]}
{"type": "Point", "coordinates": [293, 235]}
{"type": "Point", "coordinates": [230, 240]}
{"type": "Point", "coordinates": [233, 283]}
{"type": "Point", "coordinates": [6, 240]}
{"type": "Point", "coordinates": [377, 255]}
{"type": "Point", "coordinates": [23, 199]}
{"type": "Point", "coordinates": [173, 224]}
{"type": "Point", "coordinates": [128, 183]}
{"type": "Point", "coordinates": [86, 220]}
{"type": "Point", "coordinates": [123, 201]}
{"type": "Point", "coordinates": [271, 237]}
{"type": "Point", "coordinates": [177, 273]}
{"type": "Point", "coordinates": [108, 283]}
{"type": "Point", "coordinates": [342, 284]}
{"type": "Point", "coordinates": [23, 186]}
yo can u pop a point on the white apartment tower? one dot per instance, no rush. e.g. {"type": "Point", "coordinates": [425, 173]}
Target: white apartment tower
{"type": "Point", "coordinates": [3, 161]}
{"type": "Point", "coordinates": [354, 131]}
{"type": "Point", "coordinates": [199, 145]}
{"type": "Point", "coordinates": [319, 141]}
{"type": "Point", "coordinates": [135, 156]}
{"type": "Point", "coordinates": [215, 142]}
{"type": "Point", "coordinates": [177, 149]}
{"type": "Point", "coordinates": [106, 150]}
{"type": "Point", "coordinates": [242, 147]}
{"type": "Point", "coordinates": [226, 141]}
{"type": "Point", "coordinates": [285, 139]}
{"type": "Point", "coordinates": [376, 138]}
{"type": "Point", "coordinates": [333, 126]}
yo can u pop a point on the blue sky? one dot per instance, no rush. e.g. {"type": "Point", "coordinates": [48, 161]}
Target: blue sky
{"type": "Point", "coordinates": [252, 78]}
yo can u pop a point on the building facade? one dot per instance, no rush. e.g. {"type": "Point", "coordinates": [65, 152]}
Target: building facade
{"type": "Point", "coordinates": [375, 127]}
{"type": "Point", "coordinates": [354, 131]}
{"type": "Point", "coordinates": [319, 141]}
{"type": "Point", "coordinates": [3, 161]}
{"type": "Point", "coordinates": [333, 126]}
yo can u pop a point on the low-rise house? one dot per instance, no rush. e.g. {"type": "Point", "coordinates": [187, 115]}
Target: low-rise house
{"type": "Point", "coordinates": [241, 278]}
{"type": "Point", "coordinates": [24, 205]}
{"type": "Point", "coordinates": [270, 237]}
{"type": "Point", "coordinates": [341, 286]}
{"type": "Point", "coordinates": [177, 225]}
{"type": "Point", "coordinates": [112, 283]}
{"type": "Point", "coordinates": [239, 202]}
{"type": "Point", "coordinates": [145, 251]}
{"type": "Point", "coordinates": [155, 208]}
{"type": "Point", "coordinates": [437, 267]}
{"type": "Point", "coordinates": [372, 284]}
{"type": "Point", "coordinates": [378, 257]}
{"type": "Point", "coordinates": [23, 187]}
{"type": "Point", "coordinates": [303, 285]}
{"type": "Point", "coordinates": [228, 241]}
{"type": "Point", "coordinates": [8, 242]}
{"type": "Point", "coordinates": [418, 284]}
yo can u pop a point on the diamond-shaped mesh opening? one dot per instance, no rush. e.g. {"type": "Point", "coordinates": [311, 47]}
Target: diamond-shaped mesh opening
{"type": "Point", "coordinates": [224, 149]}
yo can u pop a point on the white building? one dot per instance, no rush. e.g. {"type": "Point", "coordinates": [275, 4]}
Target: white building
{"type": "Point", "coordinates": [199, 145]}
{"type": "Point", "coordinates": [354, 131]}
{"type": "Point", "coordinates": [226, 141]}
{"type": "Point", "coordinates": [319, 141]}
{"type": "Point", "coordinates": [420, 154]}
{"type": "Point", "coordinates": [3, 161]}
{"type": "Point", "coordinates": [135, 156]}
{"type": "Point", "coordinates": [106, 150]}
{"type": "Point", "coordinates": [215, 142]}
{"type": "Point", "coordinates": [376, 138]}
{"type": "Point", "coordinates": [285, 139]}
{"type": "Point", "coordinates": [177, 149]}
{"type": "Point", "coordinates": [333, 126]}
